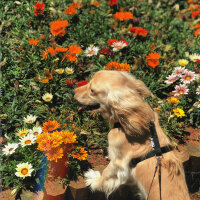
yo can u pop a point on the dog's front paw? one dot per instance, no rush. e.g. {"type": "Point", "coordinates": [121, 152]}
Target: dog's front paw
{"type": "Point", "coordinates": [92, 179]}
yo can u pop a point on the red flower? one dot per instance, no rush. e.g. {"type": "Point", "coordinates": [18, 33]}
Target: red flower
{"type": "Point", "coordinates": [70, 82]}
{"type": "Point", "coordinates": [198, 60]}
{"type": "Point", "coordinates": [111, 41]}
{"type": "Point", "coordinates": [81, 83]}
{"type": "Point", "coordinates": [112, 2]}
{"type": "Point", "coordinates": [39, 9]}
{"type": "Point", "coordinates": [105, 51]}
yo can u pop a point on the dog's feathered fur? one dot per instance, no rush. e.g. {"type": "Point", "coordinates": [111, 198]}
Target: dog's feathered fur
{"type": "Point", "coordinates": [121, 98]}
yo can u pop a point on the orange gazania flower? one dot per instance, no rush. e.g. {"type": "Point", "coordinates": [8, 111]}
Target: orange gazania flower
{"type": "Point", "coordinates": [51, 126]}
{"type": "Point", "coordinates": [122, 16]}
{"type": "Point", "coordinates": [76, 5]}
{"type": "Point", "coordinates": [96, 3]}
{"type": "Point", "coordinates": [44, 54]}
{"type": "Point", "coordinates": [33, 42]}
{"type": "Point", "coordinates": [75, 49]}
{"type": "Point", "coordinates": [46, 141]}
{"type": "Point", "coordinates": [52, 51]}
{"type": "Point", "coordinates": [195, 13]}
{"type": "Point", "coordinates": [68, 137]}
{"type": "Point", "coordinates": [70, 11]}
{"type": "Point", "coordinates": [54, 154]}
{"type": "Point", "coordinates": [61, 49]}
{"type": "Point", "coordinates": [139, 31]}
{"type": "Point", "coordinates": [80, 154]}
{"type": "Point", "coordinates": [70, 57]}
{"type": "Point", "coordinates": [152, 59]}
{"type": "Point", "coordinates": [45, 80]}
{"type": "Point", "coordinates": [58, 27]}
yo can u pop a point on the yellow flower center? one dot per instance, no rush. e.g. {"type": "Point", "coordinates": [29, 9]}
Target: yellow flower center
{"type": "Point", "coordinates": [24, 171]}
{"type": "Point", "coordinates": [91, 52]}
{"type": "Point", "coordinates": [48, 99]}
{"type": "Point", "coordinates": [36, 133]}
{"type": "Point", "coordinates": [28, 142]}
{"type": "Point", "coordinates": [22, 134]}
{"type": "Point", "coordinates": [181, 92]}
{"type": "Point", "coordinates": [187, 78]}
{"type": "Point", "coordinates": [10, 149]}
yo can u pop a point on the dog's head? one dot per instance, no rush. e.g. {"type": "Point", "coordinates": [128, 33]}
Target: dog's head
{"type": "Point", "coordinates": [121, 99]}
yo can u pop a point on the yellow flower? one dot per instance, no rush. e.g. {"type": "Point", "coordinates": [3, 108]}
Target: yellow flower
{"type": "Point", "coordinates": [24, 170]}
{"type": "Point", "coordinates": [182, 62]}
{"type": "Point", "coordinates": [179, 112]}
{"type": "Point", "coordinates": [69, 70]}
{"type": "Point", "coordinates": [60, 71]}
{"type": "Point", "coordinates": [22, 132]}
{"type": "Point", "coordinates": [80, 154]}
{"type": "Point", "coordinates": [172, 100]}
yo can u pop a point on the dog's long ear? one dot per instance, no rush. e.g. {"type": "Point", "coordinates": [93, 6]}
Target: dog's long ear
{"type": "Point", "coordinates": [137, 85]}
{"type": "Point", "coordinates": [130, 109]}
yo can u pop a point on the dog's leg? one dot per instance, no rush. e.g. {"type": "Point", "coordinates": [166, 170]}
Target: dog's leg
{"type": "Point", "coordinates": [111, 178]}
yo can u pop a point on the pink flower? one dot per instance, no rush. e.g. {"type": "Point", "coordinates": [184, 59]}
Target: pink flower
{"type": "Point", "coordinates": [188, 77]}
{"type": "Point", "coordinates": [81, 83]}
{"type": "Point", "coordinates": [179, 71]}
{"type": "Point", "coordinates": [181, 90]}
{"type": "Point", "coordinates": [171, 79]}
{"type": "Point", "coordinates": [198, 90]}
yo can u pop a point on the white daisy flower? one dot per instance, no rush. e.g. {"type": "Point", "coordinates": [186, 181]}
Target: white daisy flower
{"type": "Point", "coordinates": [36, 130]}
{"type": "Point", "coordinates": [27, 140]}
{"type": "Point", "coordinates": [91, 51]}
{"type": "Point", "coordinates": [30, 119]}
{"type": "Point", "coordinates": [10, 148]}
{"type": "Point", "coordinates": [69, 70]}
{"type": "Point", "coordinates": [171, 79]}
{"type": "Point", "coordinates": [24, 170]}
{"type": "Point", "coordinates": [194, 57]}
{"type": "Point", "coordinates": [47, 97]}
{"type": "Point", "coordinates": [118, 45]}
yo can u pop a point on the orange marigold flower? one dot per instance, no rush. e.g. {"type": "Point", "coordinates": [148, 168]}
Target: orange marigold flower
{"type": "Point", "coordinates": [70, 11]}
{"type": "Point", "coordinates": [76, 5]}
{"type": "Point", "coordinates": [49, 77]}
{"type": "Point", "coordinates": [70, 57]}
{"type": "Point", "coordinates": [96, 3]}
{"type": "Point", "coordinates": [46, 141]}
{"type": "Point", "coordinates": [152, 59]}
{"type": "Point", "coordinates": [61, 49]}
{"type": "Point", "coordinates": [122, 16]}
{"type": "Point", "coordinates": [58, 27]}
{"type": "Point", "coordinates": [54, 154]}
{"type": "Point", "coordinates": [52, 51]}
{"type": "Point", "coordinates": [139, 31]}
{"type": "Point", "coordinates": [44, 54]}
{"type": "Point", "coordinates": [153, 56]}
{"type": "Point", "coordinates": [68, 137]}
{"type": "Point", "coordinates": [74, 49]}
{"type": "Point", "coordinates": [118, 66]}
{"type": "Point", "coordinates": [51, 126]}
{"type": "Point", "coordinates": [197, 32]}
{"type": "Point", "coordinates": [33, 42]}
{"type": "Point", "coordinates": [45, 80]}
{"type": "Point", "coordinates": [80, 154]}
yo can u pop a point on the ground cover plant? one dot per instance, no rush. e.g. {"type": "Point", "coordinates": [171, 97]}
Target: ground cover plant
{"type": "Point", "coordinates": [50, 47]}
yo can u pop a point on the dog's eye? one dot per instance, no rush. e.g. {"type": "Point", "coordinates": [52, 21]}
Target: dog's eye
{"type": "Point", "coordinates": [92, 91]}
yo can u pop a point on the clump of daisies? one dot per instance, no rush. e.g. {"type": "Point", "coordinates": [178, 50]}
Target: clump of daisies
{"type": "Point", "coordinates": [185, 82]}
